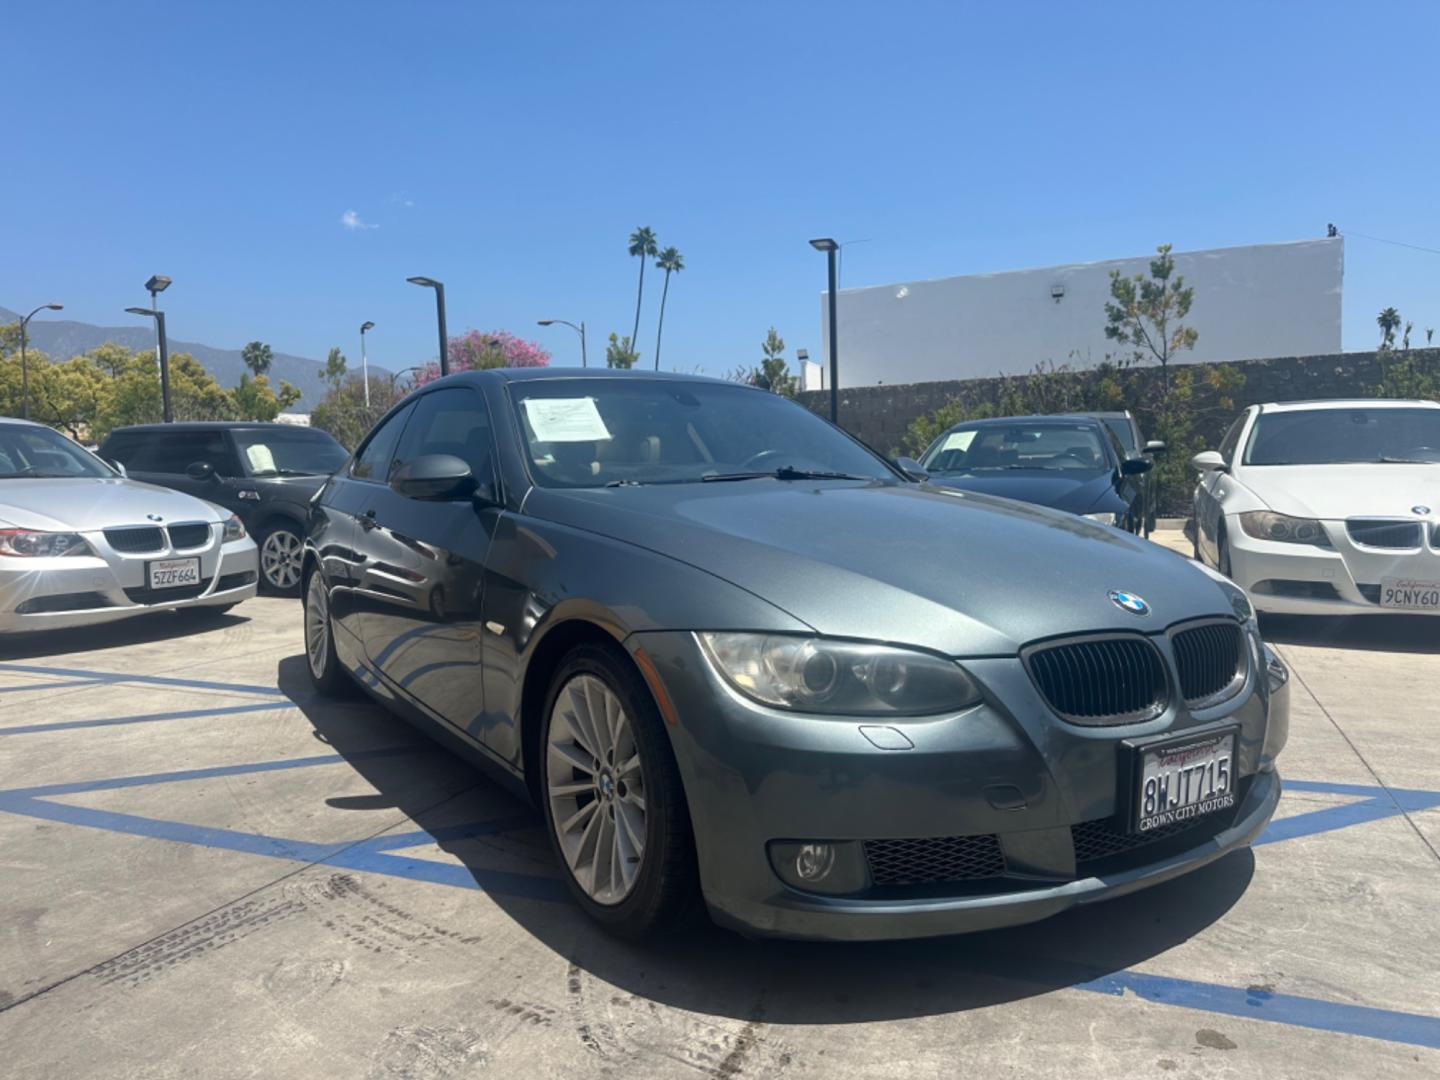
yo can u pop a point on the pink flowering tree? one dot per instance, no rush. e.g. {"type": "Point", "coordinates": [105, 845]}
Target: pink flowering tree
{"type": "Point", "coordinates": [480, 349]}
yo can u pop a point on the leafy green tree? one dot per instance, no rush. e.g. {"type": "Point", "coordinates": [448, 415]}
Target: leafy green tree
{"type": "Point", "coordinates": [773, 374]}
{"type": "Point", "coordinates": [672, 262]}
{"type": "Point", "coordinates": [258, 357]}
{"type": "Point", "coordinates": [343, 412]}
{"type": "Point", "coordinates": [1146, 314]}
{"type": "Point", "coordinates": [642, 246]}
{"type": "Point", "coordinates": [335, 366]}
{"type": "Point", "coordinates": [255, 400]}
{"type": "Point", "coordinates": [620, 353]}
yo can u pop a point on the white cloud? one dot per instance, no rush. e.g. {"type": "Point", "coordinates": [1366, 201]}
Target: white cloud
{"type": "Point", "coordinates": [351, 220]}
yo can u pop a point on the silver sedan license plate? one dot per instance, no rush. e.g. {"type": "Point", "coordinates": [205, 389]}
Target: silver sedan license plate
{"type": "Point", "coordinates": [1180, 781]}
{"type": "Point", "coordinates": [172, 573]}
{"type": "Point", "coordinates": [1406, 594]}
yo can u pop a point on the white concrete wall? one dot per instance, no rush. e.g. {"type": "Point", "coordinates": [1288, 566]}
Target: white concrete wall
{"type": "Point", "coordinates": [1250, 302]}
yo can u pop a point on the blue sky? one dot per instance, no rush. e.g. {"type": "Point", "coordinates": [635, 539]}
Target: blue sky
{"type": "Point", "coordinates": [509, 149]}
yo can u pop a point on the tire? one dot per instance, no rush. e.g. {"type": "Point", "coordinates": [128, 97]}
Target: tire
{"type": "Point", "coordinates": [326, 672]}
{"type": "Point", "coordinates": [281, 552]}
{"type": "Point", "coordinates": [597, 683]}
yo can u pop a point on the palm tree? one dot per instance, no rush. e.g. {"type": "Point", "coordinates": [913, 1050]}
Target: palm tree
{"type": "Point", "coordinates": [1388, 320]}
{"type": "Point", "coordinates": [672, 262]}
{"type": "Point", "coordinates": [642, 243]}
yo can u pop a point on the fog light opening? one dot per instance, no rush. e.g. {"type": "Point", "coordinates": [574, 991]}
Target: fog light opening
{"type": "Point", "coordinates": [814, 862]}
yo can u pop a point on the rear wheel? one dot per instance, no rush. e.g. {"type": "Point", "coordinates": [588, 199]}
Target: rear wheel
{"type": "Point", "coordinates": [281, 555]}
{"type": "Point", "coordinates": [325, 670]}
{"type": "Point", "coordinates": [613, 798]}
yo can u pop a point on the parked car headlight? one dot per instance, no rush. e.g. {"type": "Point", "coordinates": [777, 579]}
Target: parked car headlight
{"type": "Point", "coordinates": [234, 529]}
{"type": "Point", "coordinates": [1284, 529]}
{"type": "Point", "coordinates": [814, 675]}
{"type": "Point", "coordinates": [41, 545]}
{"type": "Point", "coordinates": [1106, 518]}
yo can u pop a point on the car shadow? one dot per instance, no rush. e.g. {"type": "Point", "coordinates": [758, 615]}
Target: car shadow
{"type": "Point", "coordinates": [1365, 633]}
{"type": "Point", "coordinates": [715, 972]}
{"type": "Point", "coordinates": [137, 630]}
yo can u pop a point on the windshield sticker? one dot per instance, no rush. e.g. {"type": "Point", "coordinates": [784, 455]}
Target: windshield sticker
{"type": "Point", "coordinates": [565, 420]}
{"type": "Point", "coordinates": [260, 458]}
{"type": "Point", "coordinates": [958, 440]}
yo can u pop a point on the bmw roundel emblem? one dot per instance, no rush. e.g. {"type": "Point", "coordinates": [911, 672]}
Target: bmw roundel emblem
{"type": "Point", "coordinates": [1421, 510]}
{"type": "Point", "coordinates": [1129, 602]}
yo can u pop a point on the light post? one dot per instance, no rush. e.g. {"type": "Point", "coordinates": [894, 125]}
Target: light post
{"type": "Point", "coordinates": [159, 317]}
{"type": "Point", "coordinates": [157, 284]}
{"type": "Point", "coordinates": [364, 361]}
{"type": "Point", "coordinates": [830, 247]}
{"type": "Point", "coordinates": [24, 367]}
{"type": "Point", "coordinates": [395, 375]}
{"type": "Point", "coordinates": [439, 287]}
{"type": "Point", "coordinates": [578, 329]}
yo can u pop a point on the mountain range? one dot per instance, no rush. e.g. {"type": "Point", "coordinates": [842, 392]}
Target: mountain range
{"type": "Point", "coordinates": [61, 339]}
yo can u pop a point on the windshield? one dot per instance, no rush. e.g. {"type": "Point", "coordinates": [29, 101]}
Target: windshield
{"type": "Point", "coordinates": [986, 447]}
{"type": "Point", "coordinates": [586, 433]}
{"type": "Point", "coordinates": [39, 452]}
{"type": "Point", "coordinates": [283, 451]}
{"type": "Point", "coordinates": [1345, 436]}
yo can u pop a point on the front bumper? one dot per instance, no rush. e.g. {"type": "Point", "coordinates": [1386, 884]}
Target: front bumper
{"type": "Point", "coordinates": [1344, 579]}
{"type": "Point", "coordinates": [756, 777]}
{"type": "Point", "coordinates": [85, 590]}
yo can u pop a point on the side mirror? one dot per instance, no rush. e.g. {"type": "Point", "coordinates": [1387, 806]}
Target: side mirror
{"type": "Point", "coordinates": [434, 477]}
{"type": "Point", "coordinates": [118, 466]}
{"type": "Point", "coordinates": [1209, 461]}
{"type": "Point", "coordinates": [911, 468]}
{"type": "Point", "coordinates": [1136, 466]}
{"type": "Point", "coordinates": [200, 470]}
{"type": "Point", "coordinates": [1155, 446]}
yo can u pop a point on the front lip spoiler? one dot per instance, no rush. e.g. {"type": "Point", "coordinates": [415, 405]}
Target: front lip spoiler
{"type": "Point", "coordinates": [793, 914]}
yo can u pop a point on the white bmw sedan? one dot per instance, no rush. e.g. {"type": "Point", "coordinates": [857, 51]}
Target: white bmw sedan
{"type": "Point", "coordinates": [1326, 507]}
{"type": "Point", "coordinates": [81, 544]}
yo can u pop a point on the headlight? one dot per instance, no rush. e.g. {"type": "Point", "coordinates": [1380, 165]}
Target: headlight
{"type": "Point", "coordinates": [1284, 529]}
{"type": "Point", "coordinates": [1239, 602]}
{"type": "Point", "coordinates": [41, 545]}
{"type": "Point", "coordinates": [234, 529]}
{"type": "Point", "coordinates": [1275, 669]}
{"type": "Point", "coordinates": [1105, 518]}
{"type": "Point", "coordinates": [814, 675]}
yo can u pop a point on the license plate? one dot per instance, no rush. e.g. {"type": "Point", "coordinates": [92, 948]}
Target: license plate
{"type": "Point", "coordinates": [172, 573]}
{"type": "Point", "coordinates": [1181, 781]}
{"type": "Point", "coordinates": [1410, 595]}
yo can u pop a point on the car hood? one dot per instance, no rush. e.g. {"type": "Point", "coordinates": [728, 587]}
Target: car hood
{"type": "Point", "coordinates": [1075, 490]}
{"type": "Point", "coordinates": [84, 504]}
{"type": "Point", "coordinates": [958, 572]}
{"type": "Point", "coordinates": [1334, 492]}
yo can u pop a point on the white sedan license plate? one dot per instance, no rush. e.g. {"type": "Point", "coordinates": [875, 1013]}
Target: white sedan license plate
{"type": "Point", "coordinates": [1183, 780]}
{"type": "Point", "coordinates": [172, 573]}
{"type": "Point", "coordinates": [1406, 594]}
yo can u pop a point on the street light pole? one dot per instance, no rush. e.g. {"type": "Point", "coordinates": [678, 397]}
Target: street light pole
{"type": "Point", "coordinates": [157, 284]}
{"type": "Point", "coordinates": [364, 361]}
{"type": "Point", "coordinates": [159, 317]}
{"type": "Point", "coordinates": [830, 247]}
{"type": "Point", "coordinates": [439, 287]}
{"type": "Point", "coordinates": [578, 329]}
{"type": "Point", "coordinates": [25, 367]}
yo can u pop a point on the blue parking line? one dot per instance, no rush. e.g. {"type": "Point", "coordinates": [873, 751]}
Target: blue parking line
{"type": "Point", "coordinates": [148, 680]}
{"type": "Point", "coordinates": [1414, 1029]}
{"type": "Point", "coordinates": [186, 714]}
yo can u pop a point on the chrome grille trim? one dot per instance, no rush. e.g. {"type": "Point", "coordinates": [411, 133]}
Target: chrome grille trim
{"type": "Point", "coordinates": [1389, 533]}
{"type": "Point", "coordinates": [1211, 660]}
{"type": "Point", "coordinates": [1100, 680]}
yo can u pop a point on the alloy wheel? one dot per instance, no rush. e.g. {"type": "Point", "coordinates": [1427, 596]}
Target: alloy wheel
{"type": "Point", "coordinates": [596, 789]}
{"type": "Point", "coordinates": [280, 559]}
{"type": "Point", "coordinates": [317, 625]}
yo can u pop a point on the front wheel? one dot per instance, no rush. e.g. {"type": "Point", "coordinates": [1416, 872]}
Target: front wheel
{"type": "Point", "coordinates": [613, 798]}
{"type": "Point", "coordinates": [281, 552]}
{"type": "Point", "coordinates": [325, 670]}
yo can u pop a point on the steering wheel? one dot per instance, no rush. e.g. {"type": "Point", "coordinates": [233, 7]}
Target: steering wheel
{"type": "Point", "coordinates": [1083, 457]}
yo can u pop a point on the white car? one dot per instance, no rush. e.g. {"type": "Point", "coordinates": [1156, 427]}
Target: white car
{"type": "Point", "coordinates": [1326, 507]}
{"type": "Point", "coordinates": [81, 544]}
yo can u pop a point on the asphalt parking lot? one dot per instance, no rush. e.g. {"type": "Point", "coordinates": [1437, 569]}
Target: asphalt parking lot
{"type": "Point", "coordinates": [209, 872]}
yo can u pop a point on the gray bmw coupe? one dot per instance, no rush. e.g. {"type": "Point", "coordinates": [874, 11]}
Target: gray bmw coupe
{"type": "Point", "coordinates": [736, 657]}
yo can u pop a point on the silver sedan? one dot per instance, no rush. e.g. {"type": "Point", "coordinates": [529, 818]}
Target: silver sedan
{"type": "Point", "coordinates": [81, 544]}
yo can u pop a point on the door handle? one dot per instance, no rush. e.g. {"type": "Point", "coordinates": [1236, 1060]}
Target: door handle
{"type": "Point", "coordinates": [367, 520]}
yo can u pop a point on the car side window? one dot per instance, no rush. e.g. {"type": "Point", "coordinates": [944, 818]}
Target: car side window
{"type": "Point", "coordinates": [374, 462]}
{"type": "Point", "coordinates": [1231, 442]}
{"type": "Point", "coordinates": [452, 421]}
{"type": "Point", "coordinates": [175, 451]}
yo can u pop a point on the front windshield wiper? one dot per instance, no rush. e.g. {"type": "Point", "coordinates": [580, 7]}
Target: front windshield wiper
{"type": "Point", "coordinates": [1386, 459]}
{"type": "Point", "coordinates": [785, 472]}
{"type": "Point", "coordinates": [1049, 468]}
{"type": "Point", "coordinates": [626, 483]}
{"type": "Point", "coordinates": [287, 472]}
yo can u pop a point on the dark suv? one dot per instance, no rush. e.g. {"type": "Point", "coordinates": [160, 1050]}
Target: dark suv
{"type": "Point", "coordinates": [265, 473]}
